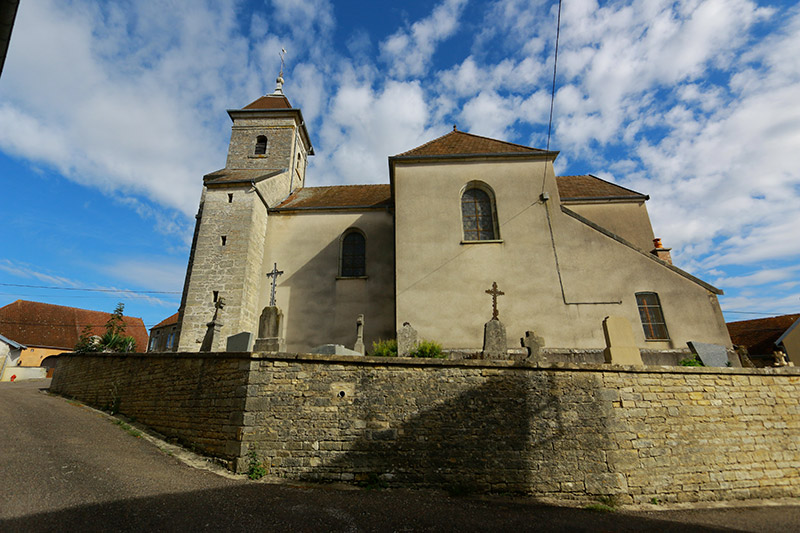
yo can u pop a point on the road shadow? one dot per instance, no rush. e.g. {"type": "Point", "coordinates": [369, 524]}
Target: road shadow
{"type": "Point", "coordinates": [259, 506]}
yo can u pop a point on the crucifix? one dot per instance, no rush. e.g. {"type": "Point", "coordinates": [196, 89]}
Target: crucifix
{"type": "Point", "coordinates": [274, 275]}
{"type": "Point", "coordinates": [495, 293]}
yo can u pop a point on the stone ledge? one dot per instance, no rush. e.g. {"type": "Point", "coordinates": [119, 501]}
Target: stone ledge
{"type": "Point", "coordinates": [452, 363]}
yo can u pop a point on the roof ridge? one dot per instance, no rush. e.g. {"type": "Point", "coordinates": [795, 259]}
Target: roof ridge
{"type": "Point", "coordinates": [71, 307]}
{"type": "Point", "coordinates": [459, 133]}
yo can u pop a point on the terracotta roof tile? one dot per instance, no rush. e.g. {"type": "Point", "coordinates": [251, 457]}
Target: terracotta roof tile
{"type": "Point", "coordinates": [57, 326]}
{"type": "Point", "coordinates": [166, 322]}
{"type": "Point", "coordinates": [339, 196]}
{"type": "Point", "coordinates": [462, 143]}
{"type": "Point", "coordinates": [759, 335]}
{"type": "Point", "coordinates": [270, 101]}
{"type": "Point", "coordinates": [587, 187]}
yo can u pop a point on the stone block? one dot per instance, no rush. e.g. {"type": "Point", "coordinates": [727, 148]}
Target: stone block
{"type": "Point", "coordinates": [620, 344]}
{"type": "Point", "coordinates": [241, 342]}
{"type": "Point", "coordinates": [710, 354]}
{"type": "Point", "coordinates": [494, 340]}
{"type": "Point", "coordinates": [407, 340]}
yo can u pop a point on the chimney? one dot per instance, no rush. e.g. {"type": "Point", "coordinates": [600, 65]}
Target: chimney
{"type": "Point", "coordinates": [661, 252]}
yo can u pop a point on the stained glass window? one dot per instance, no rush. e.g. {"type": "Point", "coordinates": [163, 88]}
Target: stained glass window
{"type": "Point", "coordinates": [477, 215]}
{"type": "Point", "coordinates": [655, 328]}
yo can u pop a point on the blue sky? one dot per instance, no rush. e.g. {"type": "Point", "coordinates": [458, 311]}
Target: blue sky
{"type": "Point", "coordinates": [111, 113]}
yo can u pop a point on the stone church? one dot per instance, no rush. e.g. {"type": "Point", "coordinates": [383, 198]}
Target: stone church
{"type": "Point", "coordinates": [459, 213]}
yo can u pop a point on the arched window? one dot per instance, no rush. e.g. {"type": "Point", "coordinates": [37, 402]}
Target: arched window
{"type": "Point", "coordinates": [353, 255]}
{"type": "Point", "coordinates": [477, 214]}
{"type": "Point", "coordinates": [261, 145]}
{"type": "Point", "coordinates": [655, 328]}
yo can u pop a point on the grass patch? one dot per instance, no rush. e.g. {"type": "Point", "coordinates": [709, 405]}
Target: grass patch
{"type": "Point", "coordinates": [128, 428]}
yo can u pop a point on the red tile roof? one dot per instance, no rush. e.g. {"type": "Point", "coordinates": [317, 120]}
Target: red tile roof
{"type": "Point", "coordinates": [759, 335]}
{"type": "Point", "coordinates": [588, 187]}
{"type": "Point", "coordinates": [339, 196]}
{"type": "Point", "coordinates": [462, 143]}
{"type": "Point", "coordinates": [166, 322]}
{"type": "Point", "coordinates": [57, 326]}
{"type": "Point", "coordinates": [270, 101]}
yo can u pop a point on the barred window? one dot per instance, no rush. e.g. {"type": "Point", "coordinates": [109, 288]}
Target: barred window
{"type": "Point", "coordinates": [655, 328]}
{"type": "Point", "coordinates": [353, 256]}
{"type": "Point", "coordinates": [477, 215]}
{"type": "Point", "coordinates": [261, 145]}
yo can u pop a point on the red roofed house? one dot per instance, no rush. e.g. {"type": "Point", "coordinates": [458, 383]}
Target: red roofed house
{"type": "Point", "coordinates": [762, 336]}
{"type": "Point", "coordinates": [457, 214]}
{"type": "Point", "coordinates": [47, 329]}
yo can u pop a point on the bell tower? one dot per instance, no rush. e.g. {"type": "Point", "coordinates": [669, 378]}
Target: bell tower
{"type": "Point", "coordinates": [267, 160]}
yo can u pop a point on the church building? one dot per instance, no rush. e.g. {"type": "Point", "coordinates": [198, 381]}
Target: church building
{"type": "Point", "coordinates": [459, 213]}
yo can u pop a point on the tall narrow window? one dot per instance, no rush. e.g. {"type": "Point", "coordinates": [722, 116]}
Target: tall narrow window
{"type": "Point", "coordinates": [655, 328]}
{"type": "Point", "coordinates": [261, 145]}
{"type": "Point", "coordinates": [477, 215]}
{"type": "Point", "coordinates": [353, 256]}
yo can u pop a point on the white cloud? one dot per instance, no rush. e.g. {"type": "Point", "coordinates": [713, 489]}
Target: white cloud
{"type": "Point", "coordinates": [409, 50]}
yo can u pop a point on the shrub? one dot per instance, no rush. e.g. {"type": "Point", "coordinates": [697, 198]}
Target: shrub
{"type": "Point", "coordinates": [690, 361]}
{"type": "Point", "coordinates": [427, 349]}
{"type": "Point", "coordinates": [255, 467]}
{"type": "Point", "coordinates": [384, 348]}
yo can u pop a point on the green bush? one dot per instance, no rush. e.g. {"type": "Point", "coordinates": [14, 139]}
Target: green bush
{"type": "Point", "coordinates": [690, 361]}
{"type": "Point", "coordinates": [384, 348]}
{"type": "Point", "coordinates": [255, 468]}
{"type": "Point", "coordinates": [428, 349]}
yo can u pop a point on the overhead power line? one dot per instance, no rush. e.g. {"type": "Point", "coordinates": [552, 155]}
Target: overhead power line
{"type": "Point", "coordinates": [86, 289]}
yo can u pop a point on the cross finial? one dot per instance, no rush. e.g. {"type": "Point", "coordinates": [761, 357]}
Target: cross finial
{"type": "Point", "coordinates": [274, 275]}
{"type": "Point", "coordinates": [279, 81]}
{"type": "Point", "coordinates": [495, 293]}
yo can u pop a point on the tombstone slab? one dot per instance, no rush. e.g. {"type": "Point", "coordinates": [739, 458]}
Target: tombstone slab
{"type": "Point", "coordinates": [620, 344]}
{"type": "Point", "coordinates": [241, 342]}
{"type": "Point", "coordinates": [407, 340]}
{"type": "Point", "coordinates": [333, 349]}
{"type": "Point", "coordinates": [269, 331]}
{"type": "Point", "coordinates": [710, 354]}
{"type": "Point", "coordinates": [533, 345]}
{"type": "Point", "coordinates": [359, 345]}
{"type": "Point", "coordinates": [494, 340]}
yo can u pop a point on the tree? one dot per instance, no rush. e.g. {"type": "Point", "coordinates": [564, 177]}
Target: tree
{"type": "Point", "coordinates": [113, 340]}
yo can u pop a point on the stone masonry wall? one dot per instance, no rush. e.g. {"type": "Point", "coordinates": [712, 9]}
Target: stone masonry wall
{"type": "Point", "coordinates": [672, 433]}
{"type": "Point", "coordinates": [565, 430]}
{"type": "Point", "coordinates": [197, 399]}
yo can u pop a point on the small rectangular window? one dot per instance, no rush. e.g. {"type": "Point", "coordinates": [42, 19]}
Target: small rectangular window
{"type": "Point", "coordinates": [655, 328]}
{"type": "Point", "coordinates": [230, 198]}
{"type": "Point", "coordinates": [224, 239]}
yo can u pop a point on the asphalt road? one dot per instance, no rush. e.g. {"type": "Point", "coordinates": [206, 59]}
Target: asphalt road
{"type": "Point", "coordinates": [64, 467]}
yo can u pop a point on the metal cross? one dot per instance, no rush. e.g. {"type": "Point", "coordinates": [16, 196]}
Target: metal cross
{"type": "Point", "coordinates": [495, 293]}
{"type": "Point", "coordinates": [274, 275]}
{"type": "Point", "coordinates": [282, 53]}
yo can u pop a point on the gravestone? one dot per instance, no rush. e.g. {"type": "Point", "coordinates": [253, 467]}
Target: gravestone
{"type": "Point", "coordinates": [241, 342]}
{"type": "Point", "coordinates": [407, 340]}
{"type": "Point", "coordinates": [359, 345]}
{"type": "Point", "coordinates": [620, 345]}
{"type": "Point", "coordinates": [710, 354]}
{"type": "Point", "coordinates": [494, 340]}
{"type": "Point", "coordinates": [213, 328]}
{"type": "Point", "coordinates": [269, 331]}
{"type": "Point", "coordinates": [533, 344]}
{"type": "Point", "coordinates": [334, 349]}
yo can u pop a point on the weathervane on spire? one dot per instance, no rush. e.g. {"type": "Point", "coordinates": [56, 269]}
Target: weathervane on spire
{"type": "Point", "coordinates": [279, 87]}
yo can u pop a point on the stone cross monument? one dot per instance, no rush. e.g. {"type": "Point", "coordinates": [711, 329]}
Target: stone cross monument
{"type": "Point", "coordinates": [274, 275]}
{"type": "Point", "coordinates": [494, 332]}
{"type": "Point", "coordinates": [214, 327]}
{"type": "Point", "coordinates": [359, 346]}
